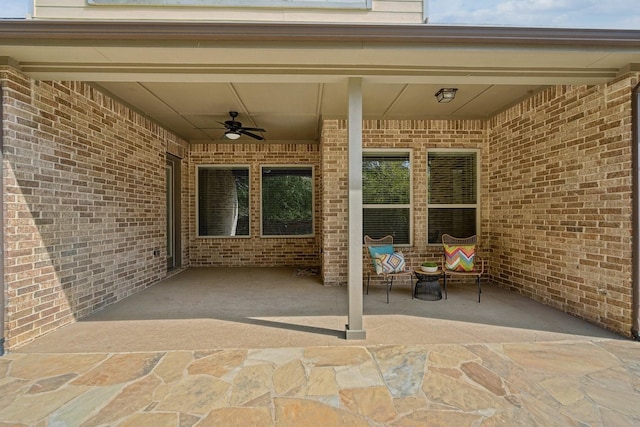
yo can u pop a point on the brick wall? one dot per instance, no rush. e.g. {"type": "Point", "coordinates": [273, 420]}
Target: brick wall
{"type": "Point", "coordinates": [84, 203]}
{"type": "Point", "coordinates": [560, 200]}
{"type": "Point", "coordinates": [555, 196]}
{"type": "Point", "coordinates": [335, 202]}
{"type": "Point", "coordinates": [253, 251]}
{"type": "Point", "coordinates": [417, 135]}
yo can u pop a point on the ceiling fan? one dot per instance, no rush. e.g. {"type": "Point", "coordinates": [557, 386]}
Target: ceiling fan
{"type": "Point", "coordinates": [235, 128]}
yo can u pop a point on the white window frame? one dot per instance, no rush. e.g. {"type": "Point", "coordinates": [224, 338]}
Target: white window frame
{"type": "Point", "coordinates": [225, 167]}
{"type": "Point", "coordinates": [387, 151]}
{"type": "Point", "coordinates": [476, 205]}
{"type": "Point", "coordinates": [313, 201]}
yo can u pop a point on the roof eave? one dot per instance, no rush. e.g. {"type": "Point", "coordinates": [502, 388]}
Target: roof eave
{"type": "Point", "coordinates": [119, 31]}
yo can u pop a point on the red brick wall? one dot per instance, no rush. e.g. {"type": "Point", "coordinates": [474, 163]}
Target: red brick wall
{"type": "Point", "coordinates": [253, 251]}
{"type": "Point", "coordinates": [84, 197]}
{"type": "Point", "coordinates": [560, 200]}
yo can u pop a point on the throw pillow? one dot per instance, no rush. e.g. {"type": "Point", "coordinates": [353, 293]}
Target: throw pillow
{"type": "Point", "coordinates": [459, 258]}
{"type": "Point", "coordinates": [375, 251]}
{"type": "Point", "coordinates": [391, 263]}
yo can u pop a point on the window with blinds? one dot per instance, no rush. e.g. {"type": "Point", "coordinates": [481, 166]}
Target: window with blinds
{"type": "Point", "coordinates": [386, 195]}
{"type": "Point", "coordinates": [452, 196]}
{"type": "Point", "coordinates": [223, 201]}
{"type": "Point", "coordinates": [287, 201]}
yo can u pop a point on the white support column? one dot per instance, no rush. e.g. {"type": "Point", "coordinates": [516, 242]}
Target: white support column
{"type": "Point", "coordinates": [355, 329]}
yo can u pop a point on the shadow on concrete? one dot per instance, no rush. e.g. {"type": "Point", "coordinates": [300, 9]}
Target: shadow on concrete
{"type": "Point", "coordinates": [204, 308]}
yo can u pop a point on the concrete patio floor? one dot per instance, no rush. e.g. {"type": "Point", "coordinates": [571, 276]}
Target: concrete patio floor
{"type": "Point", "coordinates": [212, 346]}
{"type": "Point", "coordinates": [210, 308]}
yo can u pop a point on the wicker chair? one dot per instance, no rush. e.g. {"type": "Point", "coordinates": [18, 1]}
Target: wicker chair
{"type": "Point", "coordinates": [478, 263]}
{"type": "Point", "coordinates": [388, 278]}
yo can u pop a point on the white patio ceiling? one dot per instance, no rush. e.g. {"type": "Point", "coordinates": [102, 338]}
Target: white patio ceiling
{"type": "Point", "coordinates": [287, 84]}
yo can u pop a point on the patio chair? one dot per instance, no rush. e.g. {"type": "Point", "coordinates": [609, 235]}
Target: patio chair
{"type": "Point", "coordinates": [386, 262]}
{"type": "Point", "coordinates": [460, 260]}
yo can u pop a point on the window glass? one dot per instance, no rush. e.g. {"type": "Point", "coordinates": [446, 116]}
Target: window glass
{"type": "Point", "coordinates": [223, 201]}
{"type": "Point", "coordinates": [386, 195]}
{"type": "Point", "coordinates": [454, 221]}
{"type": "Point", "coordinates": [452, 194]}
{"type": "Point", "coordinates": [287, 201]}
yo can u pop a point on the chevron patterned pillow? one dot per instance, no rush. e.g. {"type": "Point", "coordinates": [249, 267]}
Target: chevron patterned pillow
{"type": "Point", "coordinates": [391, 263]}
{"type": "Point", "coordinates": [459, 258]}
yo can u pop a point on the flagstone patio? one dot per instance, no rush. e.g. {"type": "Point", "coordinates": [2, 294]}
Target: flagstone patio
{"type": "Point", "coordinates": [171, 356]}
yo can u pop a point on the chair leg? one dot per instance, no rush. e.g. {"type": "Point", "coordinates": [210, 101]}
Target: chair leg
{"type": "Point", "coordinates": [444, 285]}
{"type": "Point", "coordinates": [368, 280]}
{"type": "Point", "coordinates": [389, 285]}
{"type": "Point", "coordinates": [413, 292]}
{"type": "Point", "coordinates": [479, 290]}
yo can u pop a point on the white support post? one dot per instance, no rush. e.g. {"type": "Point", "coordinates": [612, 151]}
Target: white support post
{"type": "Point", "coordinates": [355, 329]}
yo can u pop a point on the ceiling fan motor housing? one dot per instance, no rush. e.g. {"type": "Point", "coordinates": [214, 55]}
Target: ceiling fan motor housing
{"type": "Point", "coordinates": [236, 127]}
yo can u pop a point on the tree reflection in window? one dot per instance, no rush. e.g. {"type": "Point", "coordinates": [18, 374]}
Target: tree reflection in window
{"type": "Point", "coordinates": [223, 201]}
{"type": "Point", "coordinates": [287, 201]}
{"type": "Point", "coordinates": [386, 195]}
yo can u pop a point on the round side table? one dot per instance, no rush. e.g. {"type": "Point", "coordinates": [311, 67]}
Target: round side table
{"type": "Point", "coordinates": [428, 285]}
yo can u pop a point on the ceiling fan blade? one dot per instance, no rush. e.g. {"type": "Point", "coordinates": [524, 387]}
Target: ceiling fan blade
{"type": "Point", "coordinates": [252, 135]}
{"type": "Point", "coordinates": [254, 129]}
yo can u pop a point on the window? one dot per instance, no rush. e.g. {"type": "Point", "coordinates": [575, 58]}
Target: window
{"type": "Point", "coordinates": [453, 206]}
{"type": "Point", "coordinates": [223, 201]}
{"type": "Point", "coordinates": [287, 201]}
{"type": "Point", "coordinates": [386, 195]}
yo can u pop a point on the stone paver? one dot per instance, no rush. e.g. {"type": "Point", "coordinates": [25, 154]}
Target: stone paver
{"type": "Point", "coordinates": [581, 383]}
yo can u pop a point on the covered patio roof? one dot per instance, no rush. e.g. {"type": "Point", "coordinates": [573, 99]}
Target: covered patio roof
{"type": "Point", "coordinates": [287, 77]}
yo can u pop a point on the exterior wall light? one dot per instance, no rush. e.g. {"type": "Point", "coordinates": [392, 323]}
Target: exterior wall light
{"type": "Point", "coordinates": [446, 94]}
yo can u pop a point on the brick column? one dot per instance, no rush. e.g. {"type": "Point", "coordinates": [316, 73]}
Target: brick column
{"type": "Point", "coordinates": [335, 231]}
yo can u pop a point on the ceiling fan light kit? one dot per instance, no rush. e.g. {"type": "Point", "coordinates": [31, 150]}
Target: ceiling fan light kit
{"type": "Point", "coordinates": [231, 135]}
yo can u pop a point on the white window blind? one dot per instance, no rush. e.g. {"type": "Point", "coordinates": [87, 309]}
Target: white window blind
{"type": "Point", "coordinates": [452, 194]}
